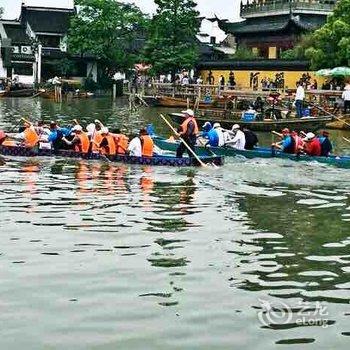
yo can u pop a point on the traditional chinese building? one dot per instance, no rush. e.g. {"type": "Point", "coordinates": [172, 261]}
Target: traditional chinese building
{"type": "Point", "coordinates": [34, 49]}
{"type": "Point", "coordinates": [272, 26]}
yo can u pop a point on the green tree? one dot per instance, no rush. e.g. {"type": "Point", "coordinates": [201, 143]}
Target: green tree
{"type": "Point", "coordinates": [331, 43]}
{"type": "Point", "coordinates": [172, 42]}
{"type": "Point", "coordinates": [298, 51]}
{"type": "Point", "coordinates": [244, 53]}
{"type": "Point", "coordinates": [108, 30]}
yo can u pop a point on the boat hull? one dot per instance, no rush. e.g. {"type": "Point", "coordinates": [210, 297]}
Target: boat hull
{"type": "Point", "coordinates": [304, 124]}
{"type": "Point", "coordinates": [342, 162]}
{"type": "Point", "coordinates": [18, 93]}
{"type": "Point", "coordinates": [155, 160]}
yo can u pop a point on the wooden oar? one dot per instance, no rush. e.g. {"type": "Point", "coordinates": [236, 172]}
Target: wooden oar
{"type": "Point", "coordinates": [346, 139]}
{"type": "Point", "coordinates": [182, 140]}
{"type": "Point", "coordinates": [330, 114]}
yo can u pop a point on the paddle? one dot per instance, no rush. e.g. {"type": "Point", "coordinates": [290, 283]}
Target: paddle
{"type": "Point", "coordinates": [330, 114]}
{"type": "Point", "coordinates": [346, 139]}
{"type": "Point", "coordinates": [182, 140]}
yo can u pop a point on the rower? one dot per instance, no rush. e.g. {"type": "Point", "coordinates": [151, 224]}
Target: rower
{"type": "Point", "coordinates": [146, 143]}
{"type": "Point", "coordinates": [211, 135]}
{"type": "Point", "coordinates": [326, 144]}
{"type": "Point", "coordinates": [251, 139]}
{"type": "Point", "coordinates": [220, 131]}
{"type": "Point", "coordinates": [135, 147]}
{"type": "Point", "coordinates": [312, 145]}
{"type": "Point", "coordinates": [28, 136]}
{"type": "Point", "coordinates": [188, 132]}
{"type": "Point", "coordinates": [121, 141]}
{"type": "Point", "coordinates": [287, 144]}
{"type": "Point", "coordinates": [80, 141]}
{"type": "Point", "coordinates": [95, 135]}
{"type": "Point", "coordinates": [56, 135]}
{"type": "Point", "coordinates": [237, 140]}
{"type": "Point", "coordinates": [107, 145]}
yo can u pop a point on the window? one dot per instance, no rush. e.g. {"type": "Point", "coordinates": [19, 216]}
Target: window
{"type": "Point", "coordinates": [23, 69]}
{"type": "Point", "coordinates": [50, 41]}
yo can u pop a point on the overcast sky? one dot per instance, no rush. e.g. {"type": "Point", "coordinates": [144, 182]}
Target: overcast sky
{"type": "Point", "coordinates": [223, 8]}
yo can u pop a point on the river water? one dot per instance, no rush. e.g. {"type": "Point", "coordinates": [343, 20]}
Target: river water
{"type": "Point", "coordinates": [98, 256]}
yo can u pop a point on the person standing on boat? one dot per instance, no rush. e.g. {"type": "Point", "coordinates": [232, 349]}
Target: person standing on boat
{"type": "Point", "coordinates": [80, 141]}
{"type": "Point", "coordinates": [237, 140]}
{"type": "Point", "coordinates": [299, 99]}
{"type": "Point", "coordinates": [326, 144]}
{"type": "Point", "coordinates": [211, 135]}
{"type": "Point", "coordinates": [312, 146]}
{"type": "Point", "coordinates": [346, 98]}
{"type": "Point", "coordinates": [188, 130]}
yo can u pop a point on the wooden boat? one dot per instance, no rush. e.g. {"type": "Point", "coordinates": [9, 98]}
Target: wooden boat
{"type": "Point", "coordinates": [259, 152]}
{"type": "Point", "coordinates": [155, 160]}
{"type": "Point", "coordinates": [340, 124]}
{"type": "Point", "coordinates": [174, 102]}
{"type": "Point", "coordinates": [303, 124]}
{"type": "Point", "coordinates": [18, 93]}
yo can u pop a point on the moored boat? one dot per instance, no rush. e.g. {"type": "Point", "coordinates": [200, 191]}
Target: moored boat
{"type": "Point", "coordinates": [18, 93]}
{"type": "Point", "coordinates": [155, 160]}
{"type": "Point", "coordinates": [259, 152]}
{"type": "Point", "coordinates": [175, 102]}
{"type": "Point", "coordinates": [310, 123]}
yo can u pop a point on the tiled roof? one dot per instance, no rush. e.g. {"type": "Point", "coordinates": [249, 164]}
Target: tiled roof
{"type": "Point", "coordinates": [16, 33]}
{"type": "Point", "coordinates": [48, 21]}
{"type": "Point", "coordinates": [273, 24]}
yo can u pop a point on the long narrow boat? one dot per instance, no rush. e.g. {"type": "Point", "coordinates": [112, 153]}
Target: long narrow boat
{"type": "Point", "coordinates": [155, 160]}
{"type": "Point", "coordinates": [174, 102]}
{"type": "Point", "coordinates": [259, 152]}
{"type": "Point", "coordinates": [303, 124]}
{"type": "Point", "coordinates": [18, 93]}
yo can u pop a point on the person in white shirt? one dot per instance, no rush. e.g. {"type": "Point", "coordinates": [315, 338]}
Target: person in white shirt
{"type": "Point", "coordinates": [299, 99]}
{"type": "Point", "coordinates": [346, 98]}
{"type": "Point", "coordinates": [220, 132]}
{"type": "Point", "coordinates": [135, 147]}
{"type": "Point", "coordinates": [237, 138]}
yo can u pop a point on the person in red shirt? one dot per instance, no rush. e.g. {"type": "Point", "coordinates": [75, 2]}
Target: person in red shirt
{"type": "Point", "coordinates": [312, 146]}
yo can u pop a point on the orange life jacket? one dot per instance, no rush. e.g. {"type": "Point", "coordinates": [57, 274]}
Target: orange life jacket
{"type": "Point", "coordinates": [184, 125]}
{"type": "Point", "coordinates": [96, 140]}
{"type": "Point", "coordinates": [84, 144]}
{"type": "Point", "coordinates": [111, 146]}
{"type": "Point", "coordinates": [9, 143]}
{"type": "Point", "coordinates": [121, 142]}
{"type": "Point", "coordinates": [147, 146]}
{"type": "Point", "coordinates": [31, 138]}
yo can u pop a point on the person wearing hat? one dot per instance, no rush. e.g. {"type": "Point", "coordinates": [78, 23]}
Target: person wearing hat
{"type": "Point", "coordinates": [107, 145]}
{"type": "Point", "coordinates": [312, 146]}
{"type": "Point", "coordinates": [221, 134]}
{"type": "Point", "coordinates": [287, 144]}
{"type": "Point", "coordinates": [237, 140]}
{"type": "Point", "coordinates": [210, 134]}
{"type": "Point", "coordinates": [326, 144]}
{"type": "Point", "coordinates": [80, 141]}
{"type": "Point", "coordinates": [188, 130]}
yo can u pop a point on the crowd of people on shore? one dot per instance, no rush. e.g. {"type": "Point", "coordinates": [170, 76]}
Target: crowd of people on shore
{"type": "Point", "coordinates": [96, 138]}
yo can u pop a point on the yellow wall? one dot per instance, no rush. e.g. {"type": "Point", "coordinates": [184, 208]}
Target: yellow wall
{"type": "Point", "coordinates": [242, 77]}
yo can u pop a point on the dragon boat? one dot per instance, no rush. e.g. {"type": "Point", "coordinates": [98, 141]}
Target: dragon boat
{"type": "Point", "coordinates": [259, 152]}
{"type": "Point", "coordinates": [163, 160]}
